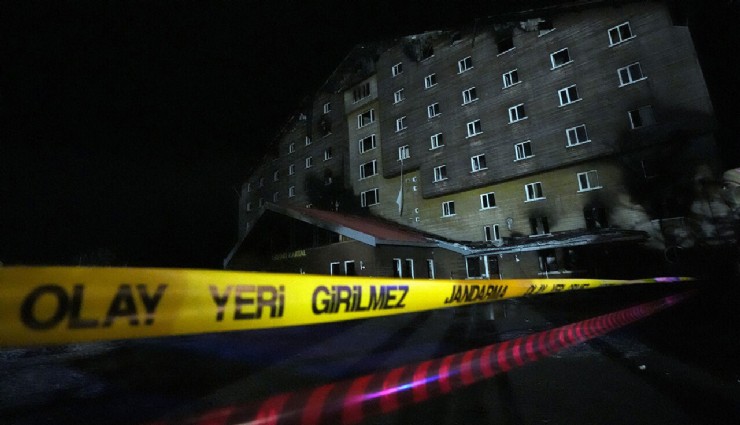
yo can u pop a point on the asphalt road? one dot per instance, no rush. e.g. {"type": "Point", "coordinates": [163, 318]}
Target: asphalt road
{"type": "Point", "coordinates": [680, 366]}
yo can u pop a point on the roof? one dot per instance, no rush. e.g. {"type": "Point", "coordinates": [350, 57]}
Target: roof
{"type": "Point", "coordinates": [367, 229]}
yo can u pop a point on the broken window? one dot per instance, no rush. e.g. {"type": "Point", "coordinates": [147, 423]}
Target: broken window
{"type": "Point", "coordinates": [548, 261]}
{"type": "Point", "coordinates": [596, 217]}
{"type": "Point", "coordinates": [505, 44]}
{"type": "Point", "coordinates": [641, 117]}
{"type": "Point", "coordinates": [539, 225]}
{"type": "Point", "coordinates": [560, 58]}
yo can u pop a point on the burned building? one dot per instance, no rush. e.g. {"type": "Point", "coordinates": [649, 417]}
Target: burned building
{"type": "Point", "coordinates": [521, 145]}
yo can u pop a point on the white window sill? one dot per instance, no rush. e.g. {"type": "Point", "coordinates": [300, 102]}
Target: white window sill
{"type": "Point", "coordinates": [440, 180]}
{"type": "Point", "coordinates": [562, 65]}
{"type": "Point", "coordinates": [489, 208]}
{"type": "Point", "coordinates": [632, 82]}
{"type": "Point", "coordinates": [535, 200]}
{"type": "Point", "coordinates": [623, 41]}
{"type": "Point", "coordinates": [570, 103]}
{"type": "Point", "coordinates": [511, 85]}
{"type": "Point", "coordinates": [519, 120]}
{"type": "Point", "coordinates": [468, 103]}
{"type": "Point", "coordinates": [524, 159]}
{"type": "Point", "coordinates": [479, 170]}
{"type": "Point", "coordinates": [577, 144]}
{"type": "Point", "coordinates": [473, 135]}
{"type": "Point", "coordinates": [448, 216]}
{"type": "Point", "coordinates": [435, 148]}
{"type": "Point", "coordinates": [464, 70]}
{"type": "Point", "coordinates": [545, 32]}
{"type": "Point", "coordinates": [590, 189]}
{"type": "Point", "coordinates": [506, 51]}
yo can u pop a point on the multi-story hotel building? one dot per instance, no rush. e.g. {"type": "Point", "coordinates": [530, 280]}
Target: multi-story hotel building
{"type": "Point", "coordinates": [518, 147]}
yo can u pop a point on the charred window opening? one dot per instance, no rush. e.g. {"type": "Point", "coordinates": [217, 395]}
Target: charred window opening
{"type": "Point", "coordinates": [505, 44]}
{"type": "Point", "coordinates": [596, 218]}
{"type": "Point", "coordinates": [545, 26]}
{"type": "Point", "coordinates": [548, 261]}
{"type": "Point", "coordinates": [539, 225]}
{"type": "Point", "coordinates": [325, 126]}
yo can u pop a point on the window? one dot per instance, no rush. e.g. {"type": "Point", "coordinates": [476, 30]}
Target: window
{"type": "Point", "coordinates": [630, 74]}
{"type": "Point", "coordinates": [430, 268]}
{"type": "Point", "coordinates": [275, 197]}
{"type": "Point", "coordinates": [261, 202]}
{"type": "Point", "coordinates": [596, 217]}
{"type": "Point", "coordinates": [327, 154]}
{"type": "Point", "coordinates": [488, 201]}
{"type": "Point", "coordinates": [408, 269]}
{"type": "Point", "coordinates": [545, 26]}
{"type": "Point", "coordinates": [291, 148]}
{"type": "Point", "coordinates": [588, 181]}
{"type": "Point", "coordinates": [641, 117]}
{"type": "Point", "coordinates": [397, 69]}
{"type": "Point", "coordinates": [276, 176]}
{"type": "Point", "coordinates": [368, 169]}
{"type": "Point", "coordinates": [533, 191]}
{"type": "Point", "coordinates": [430, 81]}
{"type": "Point", "coordinates": [262, 182]}
{"type": "Point", "coordinates": [249, 206]}
{"type": "Point", "coordinates": [478, 163]}
{"type": "Point", "coordinates": [404, 152]}
{"type": "Point", "coordinates": [448, 208]}
{"type": "Point", "coordinates": [482, 267]}
{"type": "Point", "coordinates": [505, 45]}
{"type": "Point", "coordinates": [291, 192]}
{"type": "Point", "coordinates": [308, 140]}
{"type": "Point", "coordinates": [397, 271]}
{"type": "Point", "coordinates": [437, 141]}
{"type": "Point", "coordinates": [361, 92]}
{"type": "Point", "coordinates": [249, 187]}
{"type": "Point", "coordinates": [366, 118]}
{"type": "Point", "coordinates": [620, 34]}
{"type": "Point", "coordinates": [510, 78]}
{"type": "Point", "coordinates": [401, 124]}
{"type": "Point", "coordinates": [369, 197]}
{"type": "Point", "coordinates": [517, 113]}
{"type": "Point", "coordinates": [291, 169]}
{"type": "Point", "coordinates": [309, 162]}
{"type": "Point", "coordinates": [327, 107]}
{"type": "Point", "coordinates": [539, 225]}
{"type": "Point", "coordinates": [349, 268]}
{"type": "Point", "coordinates": [398, 96]}
{"type": "Point", "coordinates": [464, 64]}
{"type": "Point", "coordinates": [433, 110]}
{"type": "Point", "coordinates": [368, 143]}
{"type": "Point", "coordinates": [568, 95]}
{"type": "Point", "coordinates": [474, 128]}
{"type": "Point", "coordinates": [469, 95]}
{"type": "Point", "coordinates": [560, 58]}
{"type": "Point", "coordinates": [492, 233]}
{"type": "Point", "coordinates": [577, 135]}
{"type": "Point", "coordinates": [440, 173]}
{"type": "Point", "coordinates": [523, 150]}
{"type": "Point", "coordinates": [335, 269]}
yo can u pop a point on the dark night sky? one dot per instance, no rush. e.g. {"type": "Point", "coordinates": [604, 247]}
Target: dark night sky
{"type": "Point", "coordinates": [128, 126]}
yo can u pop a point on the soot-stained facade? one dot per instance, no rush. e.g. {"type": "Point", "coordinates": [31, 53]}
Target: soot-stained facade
{"type": "Point", "coordinates": [531, 146]}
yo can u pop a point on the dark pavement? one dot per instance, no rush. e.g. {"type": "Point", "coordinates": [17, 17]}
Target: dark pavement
{"type": "Point", "coordinates": [680, 366]}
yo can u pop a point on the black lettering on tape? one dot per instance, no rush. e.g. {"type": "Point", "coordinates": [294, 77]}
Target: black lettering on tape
{"type": "Point", "coordinates": [220, 301]}
{"type": "Point", "coordinates": [150, 303]}
{"type": "Point", "coordinates": [28, 316]}
{"type": "Point", "coordinates": [123, 305]}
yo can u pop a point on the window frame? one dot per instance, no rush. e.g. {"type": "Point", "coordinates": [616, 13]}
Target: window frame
{"type": "Point", "coordinates": [276, 175]}
{"type": "Point", "coordinates": [309, 161]}
{"type": "Point", "coordinates": [291, 148]}
{"type": "Point", "coordinates": [515, 116]}
{"type": "Point", "coordinates": [639, 113]}
{"type": "Point", "coordinates": [465, 64]}
{"type": "Point", "coordinates": [398, 96]}
{"type": "Point", "coordinates": [627, 69]}
{"type": "Point", "coordinates": [401, 124]}
{"type": "Point", "coordinates": [397, 69]}
{"type": "Point", "coordinates": [436, 141]}
{"type": "Point", "coordinates": [510, 82]}
{"type": "Point", "coordinates": [291, 192]}
{"type": "Point", "coordinates": [374, 166]}
{"type": "Point", "coordinates": [588, 178]}
{"type": "Point", "coordinates": [567, 92]}
{"type": "Point", "coordinates": [363, 197]}
{"type": "Point", "coordinates": [328, 154]}
{"type": "Point", "coordinates": [361, 120]}
{"type": "Point", "coordinates": [308, 141]}
{"type": "Point", "coordinates": [534, 197]}
{"type": "Point", "coordinates": [362, 146]}
{"type": "Point", "coordinates": [448, 209]}
{"type": "Point", "coordinates": [492, 233]}
{"type": "Point", "coordinates": [440, 173]}
{"type": "Point", "coordinates": [618, 32]}
{"type": "Point", "coordinates": [327, 107]}
{"type": "Point", "coordinates": [404, 152]}
{"type": "Point", "coordinates": [478, 163]}
{"type": "Point", "coordinates": [361, 92]}
{"type": "Point", "coordinates": [469, 95]}
{"type": "Point", "coordinates": [552, 59]}
{"type": "Point", "coordinates": [520, 152]}
{"type": "Point", "coordinates": [485, 201]}
{"type": "Point", "coordinates": [473, 125]}
{"type": "Point", "coordinates": [575, 131]}
{"type": "Point", "coordinates": [433, 110]}
{"type": "Point", "coordinates": [430, 81]}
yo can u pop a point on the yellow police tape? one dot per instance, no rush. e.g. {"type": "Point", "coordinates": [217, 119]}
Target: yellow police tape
{"type": "Point", "coordinates": [57, 305]}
